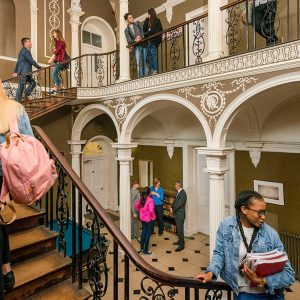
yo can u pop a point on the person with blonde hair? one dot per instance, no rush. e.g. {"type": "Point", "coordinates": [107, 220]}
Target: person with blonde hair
{"type": "Point", "coordinates": [58, 58]}
{"type": "Point", "coordinates": [9, 110]}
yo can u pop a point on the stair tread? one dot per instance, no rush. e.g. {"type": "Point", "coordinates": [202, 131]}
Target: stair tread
{"type": "Point", "coordinates": [29, 237]}
{"type": "Point", "coordinates": [39, 266]}
{"type": "Point", "coordinates": [64, 290]}
{"type": "Point", "coordinates": [23, 211]}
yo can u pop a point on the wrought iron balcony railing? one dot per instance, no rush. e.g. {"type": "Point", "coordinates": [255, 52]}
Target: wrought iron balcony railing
{"type": "Point", "coordinates": [67, 209]}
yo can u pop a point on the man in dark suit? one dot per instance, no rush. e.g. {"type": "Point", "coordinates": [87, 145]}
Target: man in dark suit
{"type": "Point", "coordinates": [178, 210]}
{"type": "Point", "coordinates": [24, 68]}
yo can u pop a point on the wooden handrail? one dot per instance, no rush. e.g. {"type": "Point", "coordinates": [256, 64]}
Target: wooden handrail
{"type": "Point", "coordinates": [137, 260]}
{"type": "Point", "coordinates": [232, 4]}
{"type": "Point", "coordinates": [67, 61]}
{"type": "Point", "coordinates": [169, 29]}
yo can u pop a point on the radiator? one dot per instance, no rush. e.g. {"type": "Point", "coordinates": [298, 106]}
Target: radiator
{"type": "Point", "coordinates": [291, 244]}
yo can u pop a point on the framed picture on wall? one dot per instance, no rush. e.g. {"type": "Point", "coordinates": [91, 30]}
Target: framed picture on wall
{"type": "Point", "coordinates": [272, 192]}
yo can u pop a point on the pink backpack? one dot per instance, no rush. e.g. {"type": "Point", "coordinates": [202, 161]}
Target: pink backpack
{"type": "Point", "coordinates": [28, 172]}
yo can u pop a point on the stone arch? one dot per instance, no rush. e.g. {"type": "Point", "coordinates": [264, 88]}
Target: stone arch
{"type": "Point", "coordinates": [139, 111]}
{"type": "Point", "coordinates": [89, 113]}
{"type": "Point", "coordinates": [219, 136]}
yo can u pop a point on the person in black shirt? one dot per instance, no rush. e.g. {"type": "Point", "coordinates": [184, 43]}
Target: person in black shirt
{"type": "Point", "coordinates": [152, 25]}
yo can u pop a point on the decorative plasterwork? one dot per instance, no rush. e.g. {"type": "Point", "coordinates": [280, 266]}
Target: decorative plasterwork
{"type": "Point", "coordinates": [213, 96]}
{"type": "Point", "coordinates": [120, 106]}
{"type": "Point", "coordinates": [276, 58]}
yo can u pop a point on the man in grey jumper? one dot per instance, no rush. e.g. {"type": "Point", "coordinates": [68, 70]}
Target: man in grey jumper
{"type": "Point", "coordinates": [134, 34]}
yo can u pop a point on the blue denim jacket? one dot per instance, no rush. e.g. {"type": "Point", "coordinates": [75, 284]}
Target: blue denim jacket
{"type": "Point", "coordinates": [225, 259]}
{"type": "Point", "coordinates": [158, 200]}
{"type": "Point", "coordinates": [24, 128]}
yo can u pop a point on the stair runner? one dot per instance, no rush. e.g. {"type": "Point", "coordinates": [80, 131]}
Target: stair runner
{"type": "Point", "coordinates": [39, 107]}
{"type": "Point", "coordinates": [41, 272]}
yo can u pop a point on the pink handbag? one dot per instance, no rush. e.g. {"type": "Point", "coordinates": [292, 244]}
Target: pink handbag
{"type": "Point", "coordinates": [28, 172]}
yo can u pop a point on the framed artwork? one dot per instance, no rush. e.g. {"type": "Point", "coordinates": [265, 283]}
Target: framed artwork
{"type": "Point", "coordinates": [272, 192]}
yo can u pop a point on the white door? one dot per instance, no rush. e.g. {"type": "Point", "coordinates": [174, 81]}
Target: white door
{"type": "Point", "coordinates": [94, 171]}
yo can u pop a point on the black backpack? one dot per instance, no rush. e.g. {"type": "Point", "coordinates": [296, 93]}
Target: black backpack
{"type": "Point", "coordinates": [66, 65]}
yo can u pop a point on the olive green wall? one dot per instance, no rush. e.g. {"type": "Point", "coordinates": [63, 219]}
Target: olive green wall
{"type": "Point", "coordinates": [58, 126]}
{"type": "Point", "coordinates": [166, 169]}
{"type": "Point", "coordinates": [276, 167]}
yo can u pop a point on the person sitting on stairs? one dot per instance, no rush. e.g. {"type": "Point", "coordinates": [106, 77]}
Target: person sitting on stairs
{"type": "Point", "coordinates": [9, 110]}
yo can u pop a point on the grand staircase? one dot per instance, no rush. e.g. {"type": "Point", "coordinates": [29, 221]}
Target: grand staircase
{"type": "Point", "coordinates": [41, 272]}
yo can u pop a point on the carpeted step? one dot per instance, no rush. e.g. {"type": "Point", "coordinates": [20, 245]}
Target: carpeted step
{"type": "Point", "coordinates": [62, 291]}
{"type": "Point", "coordinates": [32, 242]}
{"type": "Point", "coordinates": [27, 217]}
{"type": "Point", "coordinates": [39, 273]}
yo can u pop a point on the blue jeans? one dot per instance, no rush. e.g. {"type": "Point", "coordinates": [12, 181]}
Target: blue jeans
{"type": "Point", "coordinates": [139, 60]}
{"type": "Point", "coordinates": [24, 79]}
{"type": "Point", "coordinates": [247, 296]}
{"type": "Point", "coordinates": [146, 233]}
{"type": "Point", "coordinates": [56, 70]}
{"type": "Point", "coordinates": [150, 59]}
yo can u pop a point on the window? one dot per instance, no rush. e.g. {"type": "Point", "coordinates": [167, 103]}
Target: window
{"type": "Point", "coordinates": [92, 39]}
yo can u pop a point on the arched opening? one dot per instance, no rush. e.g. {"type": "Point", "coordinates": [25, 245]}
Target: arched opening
{"type": "Point", "coordinates": [97, 37]}
{"type": "Point", "coordinates": [168, 129]}
{"type": "Point", "coordinates": [7, 28]}
{"type": "Point", "coordinates": [264, 128]}
{"type": "Point", "coordinates": [98, 166]}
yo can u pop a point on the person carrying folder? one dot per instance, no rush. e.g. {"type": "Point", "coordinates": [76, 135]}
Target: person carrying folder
{"type": "Point", "coordinates": [239, 235]}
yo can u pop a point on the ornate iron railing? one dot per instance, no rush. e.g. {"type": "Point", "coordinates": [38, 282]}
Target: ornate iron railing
{"type": "Point", "coordinates": [254, 24]}
{"type": "Point", "coordinates": [67, 212]}
{"type": "Point", "coordinates": [90, 70]}
{"type": "Point", "coordinates": [174, 48]}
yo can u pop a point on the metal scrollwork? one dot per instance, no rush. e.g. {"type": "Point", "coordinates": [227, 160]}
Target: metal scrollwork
{"type": "Point", "coordinates": [96, 261]}
{"type": "Point", "coordinates": [78, 72]}
{"type": "Point", "coordinates": [37, 92]}
{"type": "Point", "coordinates": [115, 65]}
{"type": "Point", "coordinates": [233, 34]}
{"type": "Point", "coordinates": [213, 295]}
{"type": "Point", "coordinates": [198, 42]}
{"type": "Point", "coordinates": [175, 49]}
{"type": "Point", "coordinates": [62, 209]}
{"type": "Point", "coordinates": [10, 89]}
{"type": "Point", "coordinates": [270, 23]}
{"type": "Point", "coordinates": [100, 70]}
{"type": "Point", "coordinates": [154, 290]}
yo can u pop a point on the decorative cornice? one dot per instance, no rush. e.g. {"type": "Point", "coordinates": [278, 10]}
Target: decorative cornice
{"type": "Point", "coordinates": [271, 59]}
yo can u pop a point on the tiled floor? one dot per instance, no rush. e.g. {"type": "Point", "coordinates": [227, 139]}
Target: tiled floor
{"type": "Point", "coordinates": [188, 262]}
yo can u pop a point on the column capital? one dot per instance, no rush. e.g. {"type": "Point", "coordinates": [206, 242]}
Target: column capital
{"type": "Point", "coordinates": [124, 151]}
{"type": "Point", "coordinates": [76, 146]}
{"type": "Point", "coordinates": [75, 15]}
{"type": "Point", "coordinates": [216, 160]}
{"type": "Point", "coordinates": [77, 142]}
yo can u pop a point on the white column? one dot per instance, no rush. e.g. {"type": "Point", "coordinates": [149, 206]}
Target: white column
{"type": "Point", "coordinates": [33, 34]}
{"type": "Point", "coordinates": [124, 52]}
{"type": "Point", "coordinates": [215, 30]}
{"type": "Point", "coordinates": [75, 13]}
{"type": "Point", "coordinates": [216, 160]}
{"type": "Point", "coordinates": [76, 151]}
{"type": "Point", "coordinates": [124, 158]}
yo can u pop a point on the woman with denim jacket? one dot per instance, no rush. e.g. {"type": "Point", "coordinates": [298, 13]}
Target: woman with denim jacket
{"type": "Point", "coordinates": [244, 233]}
{"type": "Point", "coordinates": [9, 109]}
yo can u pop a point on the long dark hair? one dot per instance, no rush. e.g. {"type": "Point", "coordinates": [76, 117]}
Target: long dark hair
{"type": "Point", "coordinates": [153, 17]}
{"type": "Point", "coordinates": [59, 37]}
{"type": "Point", "coordinates": [145, 194]}
{"type": "Point", "coordinates": [245, 198]}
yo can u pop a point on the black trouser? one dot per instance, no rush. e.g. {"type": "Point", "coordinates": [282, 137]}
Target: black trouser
{"type": "Point", "coordinates": [179, 220]}
{"type": "Point", "coordinates": [264, 21]}
{"type": "Point", "coordinates": [22, 86]}
{"type": "Point", "coordinates": [4, 251]}
{"type": "Point", "coordinates": [159, 218]}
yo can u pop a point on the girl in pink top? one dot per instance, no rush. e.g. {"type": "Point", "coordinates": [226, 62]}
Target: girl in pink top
{"type": "Point", "coordinates": [145, 207]}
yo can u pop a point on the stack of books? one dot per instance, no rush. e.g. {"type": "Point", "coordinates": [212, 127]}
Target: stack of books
{"type": "Point", "coordinates": [265, 264]}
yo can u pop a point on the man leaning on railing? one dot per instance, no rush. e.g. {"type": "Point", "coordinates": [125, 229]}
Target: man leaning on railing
{"type": "Point", "coordinates": [134, 34]}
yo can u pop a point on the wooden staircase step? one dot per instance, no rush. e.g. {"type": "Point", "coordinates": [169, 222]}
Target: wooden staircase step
{"type": "Point", "coordinates": [32, 242]}
{"type": "Point", "coordinates": [38, 273]}
{"type": "Point", "coordinates": [62, 291]}
{"type": "Point", "coordinates": [27, 217]}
